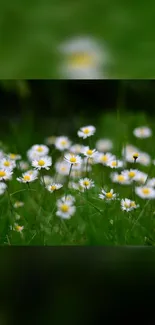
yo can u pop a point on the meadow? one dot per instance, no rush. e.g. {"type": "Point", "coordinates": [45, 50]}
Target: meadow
{"type": "Point", "coordinates": [96, 187]}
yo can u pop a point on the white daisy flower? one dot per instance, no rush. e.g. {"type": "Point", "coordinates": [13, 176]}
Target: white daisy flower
{"type": "Point", "coordinates": [62, 168]}
{"type": "Point", "coordinates": [65, 209]}
{"type": "Point", "coordinates": [27, 177]}
{"type": "Point", "coordinates": [130, 153]}
{"type": "Point", "coordinates": [5, 174]}
{"type": "Point", "coordinates": [73, 159]}
{"type": "Point", "coordinates": [89, 153]}
{"type": "Point", "coordinates": [50, 140]}
{"type": "Point", "coordinates": [120, 178]}
{"type": "Point", "coordinates": [42, 162]}
{"type": "Point", "coordinates": [33, 172]}
{"type": "Point", "coordinates": [54, 187]}
{"type": "Point", "coordinates": [14, 156]}
{"type": "Point", "coordinates": [7, 163]}
{"type": "Point", "coordinates": [2, 154]}
{"type": "Point", "coordinates": [142, 132]}
{"type": "Point", "coordinates": [144, 159]}
{"type": "Point", "coordinates": [86, 131]}
{"type": "Point", "coordinates": [86, 183]}
{"type": "Point", "coordinates": [18, 204]}
{"type": "Point", "coordinates": [151, 182]}
{"type": "Point", "coordinates": [48, 180]}
{"type": "Point", "coordinates": [76, 148]}
{"type": "Point", "coordinates": [83, 58]}
{"type": "Point", "coordinates": [128, 205]}
{"type": "Point", "coordinates": [62, 143]}
{"type": "Point", "coordinates": [108, 196]}
{"type": "Point", "coordinates": [115, 164]}
{"type": "Point", "coordinates": [141, 177]}
{"type": "Point", "coordinates": [40, 149]}
{"type": "Point", "coordinates": [145, 192]}
{"type": "Point", "coordinates": [18, 228]}
{"type": "Point", "coordinates": [130, 174]}
{"type": "Point", "coordinates": [70, 199]}
{"type": "Point", "coordinates": [104, 145]}
{"type": "Point", "coordinates": [3, 188]}
{"type": "Point", "coordinates": [23, 165]}
{"type": "Point", "coordinates": [104, 158]}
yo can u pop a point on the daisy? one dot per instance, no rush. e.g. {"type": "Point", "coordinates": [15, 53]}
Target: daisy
{"type": "Point", "coordinates": [86, 131]}
{"type": "Point", "coordinates": [142, 132]}
{"type": "Point", "coordinates": [5, 174]}
{"type": "Point", "coordinates": [120, 178]}
{"type": "Point", "coordinates": [144, 159]}
{"type": "Point", "coordinates": [54, 187]}
{"type": "Point", "coordinates": [130, 174]}
{"type": "Point", "coordinates": [40, 149]}
{"type": "Point", "coordinates": [130, 153]}
{"type": "Point", "coordinates": [151, 182]}
{"type": "Point", "coordinates": [76, 149]}
{"type": "Point", "coordinates": [104, 158]}
{"type": "Point", "coordinates": [145, 192]}
{"type": "Point", "coordinates": [7, 163]}
{"type": "Point", "coordinates": [141, 177]}
{"type": "Point", "coordinates": [128, 205]}
{"type": "Point", "coordinates": [86, 183]}
{"type": "Point", "coordinates": [89, 153]}
{"type": "Point", "coordinates": [70, 199]}
{"type": "Point", "coordinates": [18, 228]}
{"type": "Point", "coordinates": [104, 145]}
{"type": "Point", "coordinates": [42, 162]}
{"type": "Point", "coordinates": [83, 58]}
{"type": "Point", "coordinates": [73, 159]}
{"type": "Point", "coordinates": [115, 164]}
{"type": "Point", "coordinates": [3, 187]}
{"type": "Point", "coordinates": [23, 165]}
{"type": "Point", "coordinates": [18, 204]}
{"type": "Point", "coordinates": [62, 168]}
{"type": "Point", "coordinates": [108, 196]}
{"type": "Point", "coordinates": [14, 156]}
{"type": "Point", "coordinates": [47, 180]}
{"type": "Point", "coordinates": [27, 177]}
{"type": "Point", "coordinates": [62, 143]}
{"type": "Point", "coordinates": [65, 209]}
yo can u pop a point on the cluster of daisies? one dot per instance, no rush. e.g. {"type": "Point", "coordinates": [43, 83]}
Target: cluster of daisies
{"type": "Point", "coordinates": [72, 169]}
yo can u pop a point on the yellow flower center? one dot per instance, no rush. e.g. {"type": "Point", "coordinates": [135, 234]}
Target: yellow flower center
{"type": "Point", "coordinates": [12, 156]}
{"type": "Point", "coordinates": [120, 178]}
{"type": "Point", "coordinates": [86, 131]}
{"type": "Point", "coordinates": [146, 191]}
{"type": "Point", "coordinates": [53, 187]}
{"type": "Point", "coordinates": [41, 162]}
{"type": "Point", "coordinates": [126, 205]}
{"type": "Point", "coordinates": [86, 183]}
{"type": "Point", "coordinates": [104, 158]}
{"type": "Point", "coordinates": [63, 142]}
{"type": "Point", "coordinates": [39, 149]}
{"type": "Point", "coordinates": [7, 163]}
{"type": "Point", "coordinates": [114, 163]}
{"type": "Point", "coordinates": [73, 159]}
{"type": "Point", "coordinates": [63, 169]}
{"type": "Point", "coordinates": [2, 173]}
{"type": "Point", "coordinates": [89, 152]}
{"type": "Point", "coordinates": [109, 195]}
{"type": "Point", "coordinates": [18, 228]}
{"type": "Point", "coordinates": [142, 131]}
{"type": "Point", "coordinates": [135, 155]}
{"type": "Point", "coordinates": [26, 178]}
{"type": "Point", "coordinates": [131, 174]}
{"type": "Point", "coordinates": [132, 204]}
{"type": "Point", "coordinates": [81, 59]}
{"type": "Point", "coordinates": [64, 208]}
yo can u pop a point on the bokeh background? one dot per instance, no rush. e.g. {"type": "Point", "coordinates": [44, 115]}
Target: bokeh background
{"type": "Point", "coordinates": [31, 33]}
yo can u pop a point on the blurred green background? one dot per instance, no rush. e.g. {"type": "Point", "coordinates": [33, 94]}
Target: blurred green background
{"type": "Point", "coordinates": [31, 31]}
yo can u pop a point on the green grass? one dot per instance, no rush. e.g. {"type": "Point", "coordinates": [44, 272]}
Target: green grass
{"type": "Point", "coordinates": [91, 224]}
{"type": "Point", "coordinates": [31, 31]}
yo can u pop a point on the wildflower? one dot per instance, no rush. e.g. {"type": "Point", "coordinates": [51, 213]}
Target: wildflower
{"type": "Point", "coordinates": [89, 153]}
{"type": "Point", "coordinates": [130, 174]}
{"type": "Point", "coordinates": [83, 58]}
{"type": "Point", "coordinates": [23, 165]}
{"type": "Point", "coordinates": [69, 198]}
{"type": "Point", "coordinates": [115, 164]}
{"type": "Point", "coordinates": [108, 196]}
{"type": "Point", "coordinates": [27, 177]}
{"type": "Point", "coordinates": [65, 209]}
{"type": "Point", "coordinates": [86, 131]}
{"type": "Point", "coordinates": [3, 187]}
{"type": "Point", "coordinates": [62, 143]}
{"type": "Point", "coordinates": [62, 168]}
{"type": "Point", "coordinates": [104, 158]}
{"type": "Point", "coordinates": [18, 204]}
{"type": "Point", "coordinates": [18, 228]}
{"type": "Point", "coordinates": [135, 156]}
{"type": "Point", "coordinates": [120, 178]}
{"type": "Point", "coordinates": [128, 205]}
{"type": "Point", "coordinates": [40, 149]}
{"type": "Point", "coordinates": [54, 187]}
{"type": "Point", "coordinates": [144, 159]}
{"type": "Point", "coordinates": [47, 180]}
{"type": "Point", "coordinates": [7, 163]}
{"type": "Point", "coordinates": [76, 149]}
{"type": "Point", "coordinates": [142, 132]}
{"type": "Point", "coordinates": [42, 162]}
{"type": "Point", "coordinates": [5, 174]}
{"type": "Point", "coordinates": [14, 156]}
{"type": "Point", "coordinates": [86, 183]}
{"type": "Point", "coordinates": [145, 192]}
{"type": "Point", "coordinates": [141, 177]}
{"type": "Point", "coordinates": [73, 159]}
{"type": "Point", "coordinates": [104, 145]}
{"type": "Point", "coordinates": [151, 182]}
